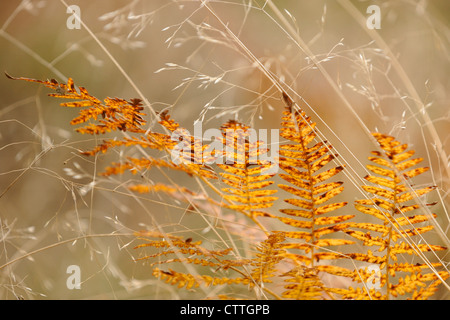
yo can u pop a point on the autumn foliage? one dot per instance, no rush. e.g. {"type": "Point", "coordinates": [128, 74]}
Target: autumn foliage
{"type": "Point", "coordinates": [313, 237]}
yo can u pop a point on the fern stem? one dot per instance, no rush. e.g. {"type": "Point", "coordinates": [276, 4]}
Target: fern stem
{"type": "Point", "coordinates": [313, 209]}
{"type": "Point", "coordinates": [388, 254]}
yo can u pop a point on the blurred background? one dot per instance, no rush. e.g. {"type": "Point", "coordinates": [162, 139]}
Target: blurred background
{"type": "Point", "coordinates": [349, 78]}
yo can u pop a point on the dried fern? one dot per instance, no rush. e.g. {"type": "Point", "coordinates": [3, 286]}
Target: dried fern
{"type": "Point", "coordinates": [302, 161]}
{"type": "Point", "coordinates": [244, 173]}
{"type": "Point", "coordinates": [263, 265]}
{"type": "Point", "coordinates": [310, 220]}
{"type": "Point", "coordinates": [394, 228]}
{"type": "Point", "coordinates": [121, 115]}
{"type": "Point", "coordinates": [269, 253]}
{"type": "Point", "coordinates": [116, 114]}
{"type": "Point", "coordinates": [303, 283]}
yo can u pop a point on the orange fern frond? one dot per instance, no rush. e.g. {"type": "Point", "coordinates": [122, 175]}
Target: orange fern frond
{"type": "Point", "coordinates": [303, 283]}
{"type": "Point", "coordinates": [192, 252]}
{"type": "Point", "coordinates": [117, 114]}
{"type": "Point", "coordinates": [303, 161]}
{"type": "Point", "coordinates": [244, 173]}
{"type": "Point", "coordinates": [394, 229]}
{"type": "Point", "coordinates": [135, 165]}
{"type": "Point", "coordinates": [193, 281]}
{"type": "Point", "coordinates": [269, 253]}
{"type": "Point", "coordinates": [121, 115]}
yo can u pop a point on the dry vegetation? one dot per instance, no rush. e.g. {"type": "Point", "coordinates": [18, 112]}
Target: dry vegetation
{"type": "Point", "coordinates": [354, 208]}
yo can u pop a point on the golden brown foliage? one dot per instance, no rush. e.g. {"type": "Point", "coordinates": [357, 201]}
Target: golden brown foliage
{"type": "Point", "coordinates": [244, 172]}
{"type": "Point", "coordinates": [310, 243]}
{"type": "Point", "coordinates": [302, 161]}
{"type": "Point", "coordinates": [394, 226]}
